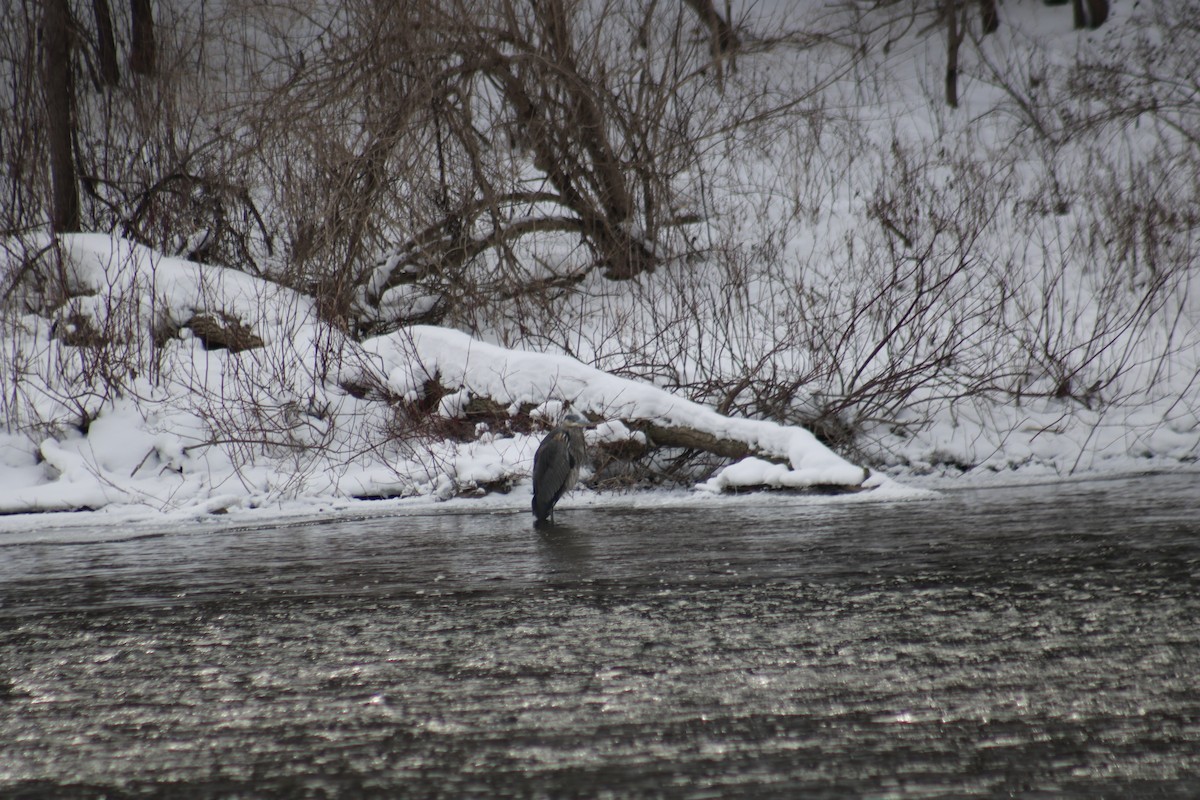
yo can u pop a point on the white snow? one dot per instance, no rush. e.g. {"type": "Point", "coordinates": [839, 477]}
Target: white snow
{"type": "Point", "coordinates": [515, 377]}
{"type": "Point", "coordinates": [268, 427]}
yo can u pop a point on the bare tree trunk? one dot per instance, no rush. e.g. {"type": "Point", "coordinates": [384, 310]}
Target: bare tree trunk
{"type": "Point", "coordinates": [56, 84]}
{"type": "Point", "coordinates": [1090, 13]}
{"type": "Point", "coordinates": [724, 37]}
{"type": "Point", "coordinates": [143, 53]}
{"type": "Point", "coordinates": [954, 30]}
{"type": "Point", "coordinates": [723, 40]}
{"type": "Point", "coordinates": [106, 44]}
{"type": "Point", "coordinates": [590, 179]}
{"type": "Point", "coordinates": [990, 16]}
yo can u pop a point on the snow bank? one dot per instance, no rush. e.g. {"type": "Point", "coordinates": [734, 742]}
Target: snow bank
{"type": "Point", "coordinates": [518, 377]}
{"type": "Point", "coordinates": [145, 416]}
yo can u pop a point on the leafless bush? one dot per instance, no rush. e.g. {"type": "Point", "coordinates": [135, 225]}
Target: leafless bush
{"type": "Point", "coordinates": [84, 349]}
{"type": "Point", "coordinates": [445, 138]}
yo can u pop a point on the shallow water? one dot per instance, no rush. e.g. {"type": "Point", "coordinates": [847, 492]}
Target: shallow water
{"type": "Point", "coordinates": [1033, 641]}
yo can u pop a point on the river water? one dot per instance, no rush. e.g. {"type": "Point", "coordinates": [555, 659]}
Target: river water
{"type": "Point", "coordinates": [1038, 641]}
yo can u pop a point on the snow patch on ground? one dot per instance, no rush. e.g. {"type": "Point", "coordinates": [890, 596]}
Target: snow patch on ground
{"type": "Point", "coordinates": [273, 426]}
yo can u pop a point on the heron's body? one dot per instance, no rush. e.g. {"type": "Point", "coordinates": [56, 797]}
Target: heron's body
{"type": "Point", "coordinates": [556, 465]}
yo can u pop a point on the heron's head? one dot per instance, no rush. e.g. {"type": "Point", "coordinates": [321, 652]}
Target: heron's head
{"type": "Point", "coordinates": [574, 420]}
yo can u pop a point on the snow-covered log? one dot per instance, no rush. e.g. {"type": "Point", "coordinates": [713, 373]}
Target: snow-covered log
{"type": "Point", "coordinates": [469, 371]}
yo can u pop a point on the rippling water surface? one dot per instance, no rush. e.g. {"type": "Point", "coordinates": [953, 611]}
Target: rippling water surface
{"type": "Point", "coordinates": [1032, 642]}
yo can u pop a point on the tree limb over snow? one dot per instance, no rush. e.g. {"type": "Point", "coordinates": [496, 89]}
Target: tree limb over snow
{"type": "Point", "coordinates": [518, 380]}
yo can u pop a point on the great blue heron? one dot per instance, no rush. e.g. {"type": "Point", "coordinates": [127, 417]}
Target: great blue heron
{"type": "Point", "coordinates": [556, 465]}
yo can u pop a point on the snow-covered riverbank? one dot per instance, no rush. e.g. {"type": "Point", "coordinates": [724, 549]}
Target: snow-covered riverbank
{"type": "Point", "coordinates": [999, 290]}
{"type": "Point", "coordinates": [275, 427]}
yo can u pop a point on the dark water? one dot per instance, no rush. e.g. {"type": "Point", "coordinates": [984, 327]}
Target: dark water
{"type": "Point", "coordinates": [1034, 642]}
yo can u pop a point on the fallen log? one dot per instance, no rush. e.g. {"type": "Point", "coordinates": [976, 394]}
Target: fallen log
{"type": "Point", "coordinates": [764, 463]}
{"type": "Point", "coordinates": [693, 439]}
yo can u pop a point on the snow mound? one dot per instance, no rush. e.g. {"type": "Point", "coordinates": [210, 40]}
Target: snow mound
{"type": "Point", "coordinates": [514, 378]}
{"type": "Point", "coordinates": [144, 412]}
